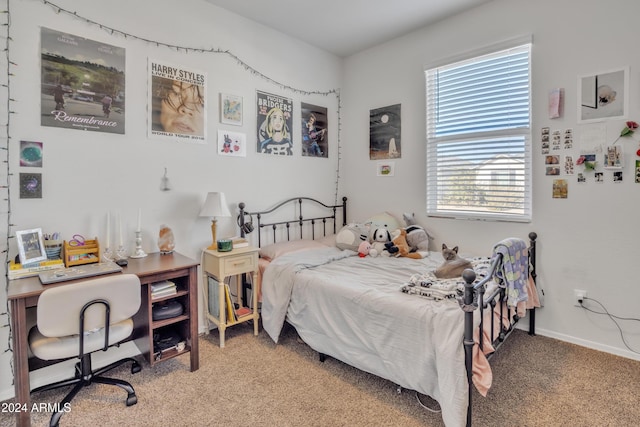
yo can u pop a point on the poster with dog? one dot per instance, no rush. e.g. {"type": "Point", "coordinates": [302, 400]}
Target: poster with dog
{"type": "Point", "coordinates": [603, 96]}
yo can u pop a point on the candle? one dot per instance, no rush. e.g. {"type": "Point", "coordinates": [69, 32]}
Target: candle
{"type": "Point", "coordinates": [108, 227]}
{"type": "Point", "coordinates": [119, 229]}
{"type": "Point", "coordinates": [139, 218]}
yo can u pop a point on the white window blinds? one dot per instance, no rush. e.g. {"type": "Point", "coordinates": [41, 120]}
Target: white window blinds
{"type": "Point", "coordinates": [479, 137]}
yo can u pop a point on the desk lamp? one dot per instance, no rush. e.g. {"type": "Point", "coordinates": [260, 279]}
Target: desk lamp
{"type": "Point", "coordinates": [214, 206]}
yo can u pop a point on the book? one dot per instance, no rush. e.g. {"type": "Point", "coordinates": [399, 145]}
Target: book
{"type": "Point", "coordinates": [164, 293]}
{"type": "Point", "coordinates": [231, 312]}
{"type": "Point", "coordinates": [162, 285]}
{"type": "Point", "coordinates": [164, 288]}
{"type": "Point", "coordinates": [214, 298]}
{"type": "Point", "coordinates": [243, 311]}
{"type": "Point", "coordinates": [239, 242]}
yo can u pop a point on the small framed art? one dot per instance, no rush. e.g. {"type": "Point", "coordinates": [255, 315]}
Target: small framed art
{"type": "Point", "coordinates": [30, 246]}
{"type": "Point", "coordinates": [230, 109]}
{"type": "Point", "coordinates": [385, 168]}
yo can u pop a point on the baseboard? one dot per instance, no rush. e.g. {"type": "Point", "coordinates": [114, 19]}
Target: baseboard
{"type": "Point", "coordinates": [588, 344]}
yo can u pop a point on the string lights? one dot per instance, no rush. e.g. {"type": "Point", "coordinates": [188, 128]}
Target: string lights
{"type": "Point", "coordinates": [5, 137]}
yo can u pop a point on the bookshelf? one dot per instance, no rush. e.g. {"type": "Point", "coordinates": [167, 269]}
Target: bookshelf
{"type": "Point", "coordinates": [219, 266]}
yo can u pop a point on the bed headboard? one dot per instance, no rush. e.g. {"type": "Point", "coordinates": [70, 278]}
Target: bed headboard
{"type": "Point", "coordinates": [269, 222]}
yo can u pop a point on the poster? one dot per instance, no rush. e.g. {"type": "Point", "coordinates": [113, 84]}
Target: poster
{"type": "Point", "coordinates": [177, 103]}
{"type": "Point", "coordinates": [384, 133]}
{"type": "Point", "coordinates": [82, 83]}
{"type": "Point", "coordinates": [274, 122]}
{"type": "Point", "coordinates": [315, 142]}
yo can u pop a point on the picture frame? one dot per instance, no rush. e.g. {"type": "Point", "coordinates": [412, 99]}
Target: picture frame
{"type": "Point", "coordinates": [603, 96]}
{"type": "Point", "coordinates": [385, 168]}
{"type": "Point", "coordinates": [231, 109]}
{"type": "Point", "coordinates": [30, 246]}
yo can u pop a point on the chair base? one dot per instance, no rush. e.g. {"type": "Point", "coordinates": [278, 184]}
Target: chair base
{"type": "Point", "coordinates": [85, 376]}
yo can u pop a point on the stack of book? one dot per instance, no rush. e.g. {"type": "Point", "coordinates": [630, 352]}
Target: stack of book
{"type": "Point", "coordinates": [233, 313]}
{"type": "Point", "coordinates": [239, 242]}
{"type": "Point", "coordinates": [163, 289]}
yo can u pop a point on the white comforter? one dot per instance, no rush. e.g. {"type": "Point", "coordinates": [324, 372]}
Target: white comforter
{"type": "Point", "coordinates": [351, 308]}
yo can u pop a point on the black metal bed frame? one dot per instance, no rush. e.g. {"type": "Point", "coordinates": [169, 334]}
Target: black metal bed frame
{"type": "Point", "coordinates": [474, 293]}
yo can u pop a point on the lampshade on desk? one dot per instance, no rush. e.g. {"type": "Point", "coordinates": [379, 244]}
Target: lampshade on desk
{"type": "Point", "coordinates": [215, 205]}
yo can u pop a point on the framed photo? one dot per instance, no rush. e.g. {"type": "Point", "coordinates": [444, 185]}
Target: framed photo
{"type": "Point", "coordinates": [385, 168]}
{"type": "Point", "coordinates": [230, 109]}
{"type": "Point", "coordinates": [603, 96]}
{"type": "Point", "coordinates": [30, 246]}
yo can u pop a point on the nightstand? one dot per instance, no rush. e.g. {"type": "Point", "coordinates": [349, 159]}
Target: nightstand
{"type": "Point", "coordinates": [220, 266]}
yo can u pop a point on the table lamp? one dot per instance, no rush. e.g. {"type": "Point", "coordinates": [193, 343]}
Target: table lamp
{"type": "Point", "coordinates": [215, 205]}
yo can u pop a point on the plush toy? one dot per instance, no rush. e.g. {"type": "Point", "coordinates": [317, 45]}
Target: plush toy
{"type": "Point", "coordinates": [379, 237]}
{"type": "Point", "coordinates": [399, 247]}
{"type": "Point", "coordinates": [417, 237]}
{"type": "Point", "coordinates": [351, 235]}
{"type": "Point", "coordinates": [364, 248]}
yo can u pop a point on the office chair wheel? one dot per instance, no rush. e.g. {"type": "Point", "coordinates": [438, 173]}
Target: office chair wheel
{"type": "Point", "coordinates": [135, 368]}
{"type": "Point", "coordinates": [132, 399]}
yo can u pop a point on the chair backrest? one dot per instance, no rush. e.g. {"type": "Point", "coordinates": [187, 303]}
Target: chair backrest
{"type": "Point", "coordinates": [59, 307]}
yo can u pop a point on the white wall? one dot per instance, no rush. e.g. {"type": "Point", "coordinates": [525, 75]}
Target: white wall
{"type": "Point", "coordinates": [86, 174]}
{"type": "Point", "coordinates": [588, 241]}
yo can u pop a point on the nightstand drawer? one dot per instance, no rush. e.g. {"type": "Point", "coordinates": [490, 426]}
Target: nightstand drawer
{"type": "Point", "coordinates": [240, 264]}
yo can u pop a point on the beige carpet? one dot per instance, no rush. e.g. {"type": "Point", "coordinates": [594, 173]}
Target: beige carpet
{"type": "Point", "coordinates": [252, 382]}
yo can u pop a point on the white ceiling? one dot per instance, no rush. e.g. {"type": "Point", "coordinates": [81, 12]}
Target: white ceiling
{"type": "Point", "coordinates": [344, 27]}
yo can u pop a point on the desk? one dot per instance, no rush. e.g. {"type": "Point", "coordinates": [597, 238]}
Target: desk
{"type": "Point", "coordinates": [24, 293]}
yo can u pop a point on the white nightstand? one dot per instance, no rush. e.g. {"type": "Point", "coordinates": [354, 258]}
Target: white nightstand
{"type": "Point", "coordinates": [221, 265]}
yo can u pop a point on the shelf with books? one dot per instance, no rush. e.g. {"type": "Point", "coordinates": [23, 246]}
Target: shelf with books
{"type": "Point", "coordinates": [222, 308]}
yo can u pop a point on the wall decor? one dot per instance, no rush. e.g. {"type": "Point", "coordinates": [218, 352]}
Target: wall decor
{"type": "Point", "coordinates": [384, 133]}
{"type": "Point", "coordinates": [77, 76]}
{"type": "Point", "coordinates": [232, 143]}
{"type": "Point", "coordinates": [315, 142]}
{"type": "Point", "coordinates": [231, 109]}
{"type": "Point", "coordinates": [177, 103]}
{"type": "Point", "coordinates": [274, 122]}
{"type": "Point", "coordinates": [603, 96]}
{"type": "Point", "coordinates": [598, 177]}
{"type": "Point", "coordinates": [560, 189]}
{"type": "Point", "coordinates": [613, 157]}
{"type": "Point", "coordinates": [30, 185]}
{"type": "Point", "coordinates": [31, 154]}
{"type": "Point", "coordinates": [385, 168]}
{"type": "Point", "coordinates": [637, 172]}
{"type": "Point", "coordinates": [617, 176]}
{"type": "Point", "coordinates": [30, 246]}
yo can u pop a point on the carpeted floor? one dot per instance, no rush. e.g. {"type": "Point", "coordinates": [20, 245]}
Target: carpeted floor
{"type": "Point", "coordinates": [538, 381]}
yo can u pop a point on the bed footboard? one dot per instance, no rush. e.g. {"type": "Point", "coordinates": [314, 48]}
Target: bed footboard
{"type": "Point", "coordinates": [475, 298]}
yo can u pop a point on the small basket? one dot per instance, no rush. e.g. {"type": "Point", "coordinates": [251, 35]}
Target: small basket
{"type": "Point", "coordinates": [53, 248]}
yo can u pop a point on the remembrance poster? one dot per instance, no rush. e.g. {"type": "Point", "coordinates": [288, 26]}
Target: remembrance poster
{"type": "Point", "coordinates": [82, 83]}
{"type": "Point", "coordinates": [274, 120]}
{"type": "Point", "coordinates": [177, 103]}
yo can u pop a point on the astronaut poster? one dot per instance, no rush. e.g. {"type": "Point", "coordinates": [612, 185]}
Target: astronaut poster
{"type": "Point", "coordinates": [274, 122]}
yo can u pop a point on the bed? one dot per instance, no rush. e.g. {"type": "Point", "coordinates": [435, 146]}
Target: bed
{"type": "Point", "coordinates": [374, 313]}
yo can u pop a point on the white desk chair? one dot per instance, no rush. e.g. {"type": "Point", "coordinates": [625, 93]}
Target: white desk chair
{"type": "Point", "coordinates": [77, 319]}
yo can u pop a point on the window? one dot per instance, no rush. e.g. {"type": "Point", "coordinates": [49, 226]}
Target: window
{"type": "Point", "coordinates": [479, 137]}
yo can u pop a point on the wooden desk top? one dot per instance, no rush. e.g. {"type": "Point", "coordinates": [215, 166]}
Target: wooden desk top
{"type": "Point", "coordinates": [150, 265]}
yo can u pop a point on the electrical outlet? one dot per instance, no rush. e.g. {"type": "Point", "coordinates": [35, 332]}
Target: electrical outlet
{"type": "Point", "coordinates": [578, 295]}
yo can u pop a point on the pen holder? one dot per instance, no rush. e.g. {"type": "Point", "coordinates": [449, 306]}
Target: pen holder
{"type": "Point", "coordinates": [53, 248]}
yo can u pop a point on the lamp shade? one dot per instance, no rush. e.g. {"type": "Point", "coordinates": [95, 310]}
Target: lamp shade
{"type": "Point", "coordinates": [215, 205]}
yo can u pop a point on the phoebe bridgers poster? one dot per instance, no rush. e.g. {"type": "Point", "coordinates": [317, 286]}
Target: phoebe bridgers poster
{"type": "Point", "coordinates": [274, 121]}
{"type": "Point", "coordinates": [82, 83]}
{"type": "Point", "coordinates": [177, 103]}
